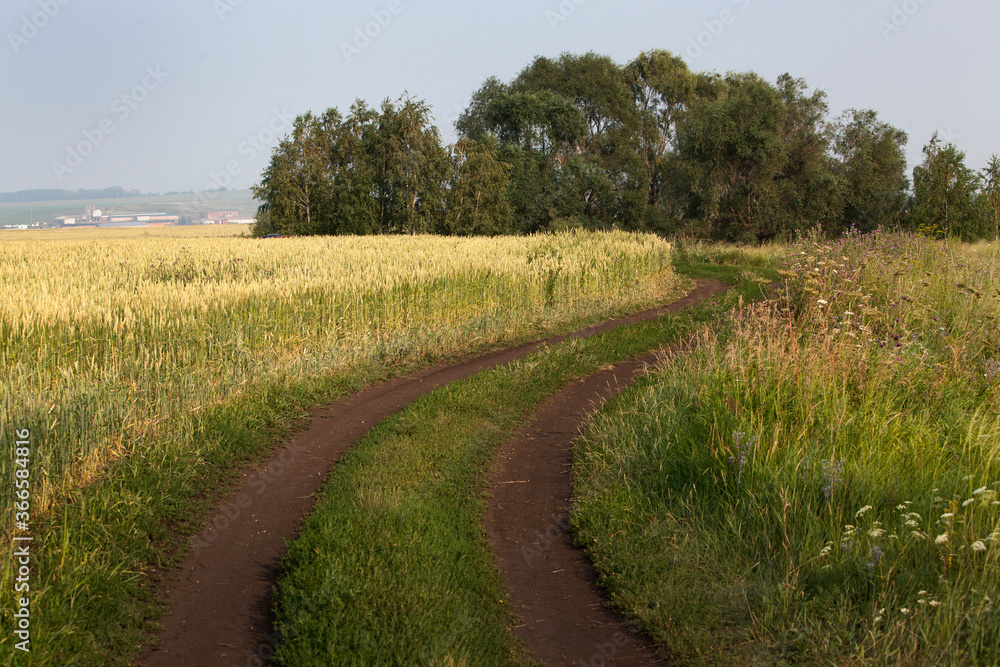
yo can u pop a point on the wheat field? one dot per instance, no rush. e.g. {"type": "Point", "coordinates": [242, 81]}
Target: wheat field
{"type": "Point", "coordinates": [107, 337]}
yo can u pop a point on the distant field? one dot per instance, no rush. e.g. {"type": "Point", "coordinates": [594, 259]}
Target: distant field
{"type": "Point", "coordinates": [21, 213]}
{"type": "Point", "coordinates": [124, 233]}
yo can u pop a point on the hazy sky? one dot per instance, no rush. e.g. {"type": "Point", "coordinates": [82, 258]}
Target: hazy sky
{"type": "Point", "coordinates": [182, 94]}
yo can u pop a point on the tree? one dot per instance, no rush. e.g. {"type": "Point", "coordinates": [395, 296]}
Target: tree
{"type": "Point", "coordinates": [476, 201]}
{"type": "Point", "coordinates": [731, 151]}
{"type": "Point", "coordinates": [567, 128]}
{"type": "Point", "coordinates": [989, 197]}
{"type": "Point", "coordinates": [292, 185]}
{"type": "Point", "coordinates": [410, 166]}
{"type": "Point", "coordinates": [376, 171]}
{"type": "Point", "coordinates": [808, 190]}
{"type": "Point", "coordinates": [945, 193]}
{"type": "Point", "coordinates": [870, 162]}
{"type": "Point", "coordinates": [662, 87]}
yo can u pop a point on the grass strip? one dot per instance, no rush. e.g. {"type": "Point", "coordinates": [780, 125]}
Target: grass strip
{"type": "Point", "coordinates": [393, 566]}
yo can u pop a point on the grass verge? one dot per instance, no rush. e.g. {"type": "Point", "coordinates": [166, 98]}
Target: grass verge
{"type": "Point", "coordinates": [817, 482]}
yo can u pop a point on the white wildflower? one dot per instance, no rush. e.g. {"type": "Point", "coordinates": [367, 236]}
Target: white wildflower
{"type": "Point", "coordinates": [876, 533]}
{"type": "Point", "coordinates": [968, 502]}
{"type": "Point", "coordinates": [941, 539]}
{"type": "Point", "coordinates": [978, 545]}
{"type": "Point", "coordinates": [980, 490]}
{"type": "Point", "coordinates": [935, 603]}
{"type": "Point", "coordinates": [947, 515]}
{"type": "Point", "coordinates": [861, 512]}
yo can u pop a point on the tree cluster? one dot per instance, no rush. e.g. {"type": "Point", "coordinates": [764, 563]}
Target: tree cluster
{"type": "Point", "coordinates": [380, 171]}
{"type": "Point", "coordinates": [581, 141]}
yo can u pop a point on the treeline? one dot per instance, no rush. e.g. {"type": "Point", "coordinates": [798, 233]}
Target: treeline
{"type": "Point", "coordinates": [581, 141]}
{"type": "Point", "coordinates": [66, 195]}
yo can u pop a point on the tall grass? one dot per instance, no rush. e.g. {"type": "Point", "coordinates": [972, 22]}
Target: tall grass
{"type": "Point", "coordinates": [819, 480]}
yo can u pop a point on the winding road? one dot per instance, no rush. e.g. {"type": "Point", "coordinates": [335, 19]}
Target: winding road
{"type": "Point", "coordinates": [220, 610]}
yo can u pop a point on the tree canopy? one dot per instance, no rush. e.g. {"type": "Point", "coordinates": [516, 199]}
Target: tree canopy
{"type": "Point", "coordinates": [581, 141]}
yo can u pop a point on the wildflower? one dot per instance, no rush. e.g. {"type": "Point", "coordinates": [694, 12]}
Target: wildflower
{"type": "Point", "coordinates": [831, 471]}
{"type": "Point", "coordinates": [941, 539]}
{"type": "Point", "coordinates": [876, 556]}
{"type": "Point", "coordinates": [979, 546]}
{"type": "Point", "coordinates": [947, 515]}
{"type": "Point", "coordinates": [876, 533]}
{"type": "Point", "coordinates": [822, 302]}
{"type": "Point", "coordinates": [968, 502]}
{"type": "Point", "coordinates": [743, 449]}
{"type": "Point", "coordinates": [935, 603]}
{"type": "Point", "coordinates": [861, 512]}
{"type": "Point", "coordinates": [825, 550]}
{"type": "Point", "coordinates": [980, 491]}
{"type": "Point", "coordinates": [904, 611]}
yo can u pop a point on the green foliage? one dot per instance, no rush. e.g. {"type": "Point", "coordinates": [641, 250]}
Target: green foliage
{"type": "Point", "coordinates": [375, 171]}
{"type": "Point", "coordinates": [476, 201]}
{"type": "Point", "coordinates": [945, 191]}
{"type": "Point", "coordinates": [989, 197]}
{"type": "Point", "coordinates": [755, 158]}
{"type": "Point", "coordinates": [649, 145]}
{"type": "Point", "coordinates": [870, 162]}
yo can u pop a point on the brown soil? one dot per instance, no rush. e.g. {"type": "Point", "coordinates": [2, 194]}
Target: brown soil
{"type": "Point", "coordinates": [220, 611]}
{"type": "Point", "coordinates": [551, 583]}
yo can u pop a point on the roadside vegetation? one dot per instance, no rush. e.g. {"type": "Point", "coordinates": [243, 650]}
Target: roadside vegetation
{"type": "Point", "coordinates": [818, 481]}
{"type": "Point", "coordinates": [151, 369]}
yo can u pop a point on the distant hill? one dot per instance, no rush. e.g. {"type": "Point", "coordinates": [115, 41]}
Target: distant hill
{"type": "Point", "coordinates": [67, 195]}
{"type": "Point", "coordinates": [189, 204]}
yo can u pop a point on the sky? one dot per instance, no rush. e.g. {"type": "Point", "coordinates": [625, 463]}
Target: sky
{"type": "Point", "coordinates": [194, 94]}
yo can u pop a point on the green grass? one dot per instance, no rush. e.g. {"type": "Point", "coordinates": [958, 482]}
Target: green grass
{"type": "Point", "coordinates": [817, 483]}
{"type": "Point", "coordinates": [393, 566]}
